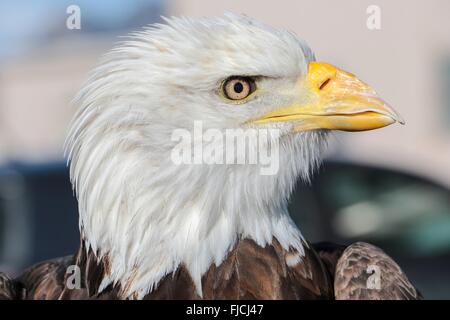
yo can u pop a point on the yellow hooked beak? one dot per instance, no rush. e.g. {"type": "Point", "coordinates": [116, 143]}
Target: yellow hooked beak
{"type": "Point", "coordinates": [334, 99]}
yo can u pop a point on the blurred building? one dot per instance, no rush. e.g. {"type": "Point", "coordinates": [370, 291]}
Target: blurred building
{"type": "Point", "coordinates": [43, 64]}
{"type": "Point", "coordinates": [35, 95]}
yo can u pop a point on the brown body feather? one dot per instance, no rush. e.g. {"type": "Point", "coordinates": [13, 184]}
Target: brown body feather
{"type": "Point", "coordinates": [248, 272]}
{"type": "Point", "coordinates": [362, 261]}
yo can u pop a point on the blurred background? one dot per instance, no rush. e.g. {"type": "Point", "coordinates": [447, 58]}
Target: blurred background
{"type": "Point", "coordinates": [389, 187]}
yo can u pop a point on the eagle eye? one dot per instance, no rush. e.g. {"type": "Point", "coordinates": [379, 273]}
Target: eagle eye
{"type": "Point", "coordinates": [238, 88]}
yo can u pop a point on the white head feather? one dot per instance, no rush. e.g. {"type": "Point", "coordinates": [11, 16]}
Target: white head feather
{"type": "Point", "coordinates": [148, 215]}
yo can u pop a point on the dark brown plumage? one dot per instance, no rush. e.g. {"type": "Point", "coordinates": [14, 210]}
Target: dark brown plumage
{"type": "Point", "coordinates": [248, 272]}
{"type": "Point", "coordinates": [10, 289]}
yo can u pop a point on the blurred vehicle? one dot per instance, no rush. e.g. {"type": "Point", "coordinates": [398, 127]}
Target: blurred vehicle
{"type": "Point", "coordinates": [38, 214]}
{"type": "Point", "coordinates": [406, 215]}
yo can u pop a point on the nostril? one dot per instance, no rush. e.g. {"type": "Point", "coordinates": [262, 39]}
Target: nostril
{"type": "Point", "coordinates": [323, 85]}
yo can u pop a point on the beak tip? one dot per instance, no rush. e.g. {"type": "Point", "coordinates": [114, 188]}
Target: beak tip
{"type": "Point", "coordinates": [400, 120]}
{"type": "Point", "coordinates": [395, 115]}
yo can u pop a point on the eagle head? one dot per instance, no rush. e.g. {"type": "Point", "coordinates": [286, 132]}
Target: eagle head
{"type": "Point", "coordinates": [150, 199]}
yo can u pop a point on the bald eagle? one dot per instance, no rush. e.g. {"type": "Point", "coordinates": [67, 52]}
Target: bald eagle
{"type": "Point", "coordinates": [152, 228]}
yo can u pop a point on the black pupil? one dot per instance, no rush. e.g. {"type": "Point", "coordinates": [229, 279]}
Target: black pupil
{"type": "Point", "coordinates": [238, 87]}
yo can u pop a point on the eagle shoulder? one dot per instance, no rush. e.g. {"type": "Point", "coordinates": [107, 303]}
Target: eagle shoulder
{"type": "Point", "coordinates": [45, 280]}
{"type": "Point", "coordinates": [365, 272]}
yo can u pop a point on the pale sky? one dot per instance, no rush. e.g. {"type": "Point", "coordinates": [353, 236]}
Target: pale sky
{"type": "Point", "coordinates": [25, 23]}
